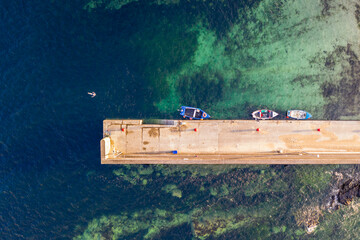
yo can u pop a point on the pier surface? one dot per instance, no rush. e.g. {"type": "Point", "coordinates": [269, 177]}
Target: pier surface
{"type": "Point", "coordinates": [230, 142]}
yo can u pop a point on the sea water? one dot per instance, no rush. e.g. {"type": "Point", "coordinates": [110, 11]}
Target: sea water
{"type": "Point", "coordinates": [144, 59]}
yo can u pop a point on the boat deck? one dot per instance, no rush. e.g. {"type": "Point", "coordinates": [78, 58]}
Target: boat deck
{"type": "Point", "coordinates": [230, 142]}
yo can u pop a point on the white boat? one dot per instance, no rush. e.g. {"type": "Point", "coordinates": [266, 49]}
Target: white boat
{"type": "Point", "coordinates": [264, 114]}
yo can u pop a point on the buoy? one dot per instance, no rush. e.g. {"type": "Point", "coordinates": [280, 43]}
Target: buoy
{"type": "Point", "coordinates": [287, 116]}
{"type": "Point", "coordinates": [258, 129]}
{"type": "Point", "coordinates": [195, 129]}
{"type": "Point", "coordinates": [123, 129]}
{"type": "Point", "coordinates": [318, 129]}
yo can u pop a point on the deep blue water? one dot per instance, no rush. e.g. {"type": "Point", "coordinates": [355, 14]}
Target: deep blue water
{"type": "Point", "coordinates": [51, 54]}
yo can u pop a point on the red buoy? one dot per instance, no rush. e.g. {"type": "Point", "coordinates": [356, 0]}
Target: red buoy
{"type": "Point", "coordinates": [258, 129]}
{"type": "Point", "coordinates": [318, 129]}
{"type": "Point", "coordinates": [123, 129]}
{"type": "Point", "coordinates": [195, 129]}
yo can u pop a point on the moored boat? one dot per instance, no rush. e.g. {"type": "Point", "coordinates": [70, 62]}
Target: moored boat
{"type": "Point", "coordinates": [264, 114]}
{"type": "Point", "coordinates": [193, 113]}
{"type": "Point", "coordinates": [298, 114]}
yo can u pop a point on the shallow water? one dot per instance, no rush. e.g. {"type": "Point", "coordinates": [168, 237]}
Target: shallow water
{"type": "Point", "coordinates": [144, 59]}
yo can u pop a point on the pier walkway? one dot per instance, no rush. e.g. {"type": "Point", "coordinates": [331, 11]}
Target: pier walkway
{"type": "Point", "coordinates": [230, 142]}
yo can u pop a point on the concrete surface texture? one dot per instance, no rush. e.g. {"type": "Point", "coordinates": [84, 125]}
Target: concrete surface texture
{"type": "Point", "coordinates": [230, 142]}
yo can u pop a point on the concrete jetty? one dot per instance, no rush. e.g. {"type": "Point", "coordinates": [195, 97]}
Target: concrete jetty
{"type": "Point", "coordinates": [230, 142]}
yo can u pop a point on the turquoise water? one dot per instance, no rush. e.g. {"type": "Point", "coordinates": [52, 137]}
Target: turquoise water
{"type": "Point", "coordinates": [144, 59]}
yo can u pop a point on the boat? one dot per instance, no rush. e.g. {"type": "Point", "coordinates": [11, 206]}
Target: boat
{"type": "Point", "coordinates": [298, 114]}
{"type": "Point", "coordinates": [264, 114]}
{"type": "Point", "coordinates": [193, 113]}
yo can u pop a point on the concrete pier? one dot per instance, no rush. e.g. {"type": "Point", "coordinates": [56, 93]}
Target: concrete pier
{"type": "Point", "coordinates": [230, 142]}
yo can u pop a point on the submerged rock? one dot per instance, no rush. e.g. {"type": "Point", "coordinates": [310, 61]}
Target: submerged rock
{"type": "Point", "coordinates": [173, 189]}
{"type": "Point", "coordinates": [206, 223]}
{"type": "Point", "coordinates": [150, 221]}
{"type": "Point", "coordinates": [346, 193]}
{"type": "Point", "coordinates": [308, 217]}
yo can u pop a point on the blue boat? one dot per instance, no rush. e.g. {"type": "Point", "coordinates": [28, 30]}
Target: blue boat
{"type": "Point", "coordinates": [298, 114]}
{"type": "Point", "coordinates": [193, 113]}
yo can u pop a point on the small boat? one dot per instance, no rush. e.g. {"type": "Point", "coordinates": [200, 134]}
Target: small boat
{"type": "Point", "coordinates": [298, 114]}
{"type": "Point", "coordinates": [264, 114]}
{"type": "Point", "coordinates": [193, 113]}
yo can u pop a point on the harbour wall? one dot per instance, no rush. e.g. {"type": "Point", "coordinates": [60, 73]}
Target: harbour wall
{"type": "Point", "coordinates": [230, 142]}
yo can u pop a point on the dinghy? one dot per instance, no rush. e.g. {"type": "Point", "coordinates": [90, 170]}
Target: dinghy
{"type": "Point", "coordinates": [193, 113]}
{"type": "Point", "coordinates": [264, 114]}
{"type": "Point", "coordinates": [298, 114]}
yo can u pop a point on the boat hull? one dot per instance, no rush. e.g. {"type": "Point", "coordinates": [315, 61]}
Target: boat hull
{"type": "Point", "coordinates": [264, 114]}
{"type": "Point", "coordinates": [193, 113]}
{"type": "Point", "coordinates": [298, 114]}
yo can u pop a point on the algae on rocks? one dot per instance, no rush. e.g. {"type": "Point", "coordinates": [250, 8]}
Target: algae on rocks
{"type": "Point", "coordinates": [309, 179]}
{"type": "Point", "coordinates": [173, 189]}
{"type": "Point", "coordinates": [210, 223]}
{"type": "Point", "coordinates": [115, 227]}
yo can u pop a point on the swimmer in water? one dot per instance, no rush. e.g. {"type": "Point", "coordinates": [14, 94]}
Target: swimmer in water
{"type": "Point", "coordinates": [92, 94]}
